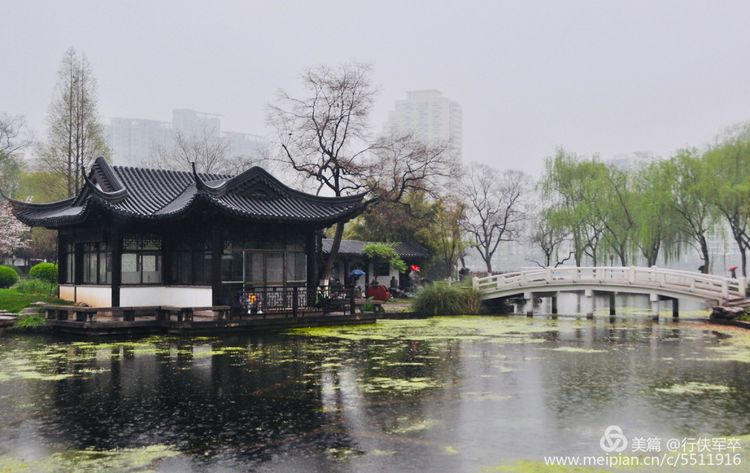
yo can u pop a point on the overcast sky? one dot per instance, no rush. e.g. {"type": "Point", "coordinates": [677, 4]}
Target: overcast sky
{"type": "Point", "coordinates": [593, 76]}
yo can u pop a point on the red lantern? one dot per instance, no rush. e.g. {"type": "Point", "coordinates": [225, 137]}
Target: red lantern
{"type": "Point", "coordinates": [415, 268]}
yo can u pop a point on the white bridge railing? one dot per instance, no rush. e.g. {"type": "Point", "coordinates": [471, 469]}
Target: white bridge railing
{"type": "Point", "coordinates": [649, 279]}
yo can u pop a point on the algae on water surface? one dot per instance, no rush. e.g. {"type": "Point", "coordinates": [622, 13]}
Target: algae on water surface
{"type": "Point", "coordinates": [127, 460]}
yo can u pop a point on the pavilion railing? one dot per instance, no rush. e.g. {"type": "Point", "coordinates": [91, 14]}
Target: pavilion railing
{"type": "Point", "coordinates": [291, 300]}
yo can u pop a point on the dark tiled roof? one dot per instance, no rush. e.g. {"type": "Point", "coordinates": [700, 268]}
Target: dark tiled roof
{"type": "Point", "coordinates": [355, 247]}
{"type": "Point", "coordinates": [148, 194]}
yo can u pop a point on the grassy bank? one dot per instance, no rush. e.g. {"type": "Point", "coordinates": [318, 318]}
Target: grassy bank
{"type": "Point", "coordinates": [13, 300]}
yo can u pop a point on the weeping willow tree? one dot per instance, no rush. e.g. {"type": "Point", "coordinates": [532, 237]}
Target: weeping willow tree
{"type": "Point", "coordinates": [729, 179]}
{"type": "Point", "coordinates": [691, 186]}
{"type": "Point", "coordinates": [618, 207]}
{"type": "Point", "coordinates": [654, 211]}
{"type": "Point", "coordinates": [656, 228]}
{"type": "Point", "coordinates": [610, 213]}
{"type": "Point", "coordinates": [574, 188]}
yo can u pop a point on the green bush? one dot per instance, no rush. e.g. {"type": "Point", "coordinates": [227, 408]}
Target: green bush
{"type": "Point", "coordinates": [387, 253]}
{"type": "Point", "coordinates": [35, 286]}
{"type": "Point", "coordinates": [44, 272]}
{"type": "Point", "coordinates": [442, 299]}
{"type": "Point", "coordinates": [8, 276]}
{"type": "Point", "coordinates": [31, 321]}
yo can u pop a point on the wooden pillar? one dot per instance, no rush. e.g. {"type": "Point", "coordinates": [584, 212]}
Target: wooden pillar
{"type": "Point", "coordinates": [675, 308]}
{"type": "Point", "coordinates": [295, 301]}
{"type": "Point", "coordinates": [115, 244]}
{"type": "Point", "coordinates": [62, 262]}
{"type": "Point", "coordinates": [311, 250]}
{"type": "Point", "coordinates": [78, 276]}
{"type": "Point", "coordinates": [167, 254]}
{"type": "Point", "coordinates": [612, 309]}
{"type": "Point", "coordinates": [217, 246]}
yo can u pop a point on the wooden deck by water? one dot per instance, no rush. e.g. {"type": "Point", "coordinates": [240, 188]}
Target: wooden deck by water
{"type": "Point", "coordinates": [153, 320]}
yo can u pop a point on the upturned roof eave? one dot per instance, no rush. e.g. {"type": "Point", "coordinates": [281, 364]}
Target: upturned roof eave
{"type": "Point", "coordinates": [111, 194]}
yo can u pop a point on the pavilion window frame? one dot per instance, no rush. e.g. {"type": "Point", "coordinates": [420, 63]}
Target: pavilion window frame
{"type": "Point", "coordinates": [97, 264]}
{"type": "Point", "coordinates": [136, 244]}
{"type": "Point", "coordinates": [69, 256]}
{"type": "Point", "coordinates": [231, 253]}
{"type": "Point", "coordinates": [192, 258]}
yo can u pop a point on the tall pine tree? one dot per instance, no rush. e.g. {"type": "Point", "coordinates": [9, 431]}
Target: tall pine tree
{"type": "Point", "coordinates": [75, 135]}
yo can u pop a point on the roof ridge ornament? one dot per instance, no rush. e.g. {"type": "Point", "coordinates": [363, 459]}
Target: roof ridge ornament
{"type": "Point", "coordinates": [202, 186]}
{"type": "Point", "coordinates": [257, 183]}
{"type": "Point", "coordinates": [110, 196]}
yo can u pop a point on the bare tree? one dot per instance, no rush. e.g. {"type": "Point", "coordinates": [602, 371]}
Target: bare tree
{"type": "Point", "coordinates": [399, 164]}
{"type": "Point", "coordinates": [451, 212]}
{"type": "Point", "coordinates": [12, 136]}
{"type": "Point", "coordinates": [206, 149]}
{"type": "Point", "coordinates": [324, 136]}
{"type": "Point", "coordinates": [75, 134]}
{"type": "Point", "coordinates": [550, 240]}
{"type": "Point", "coordinates": [12, 140]}
{"type": "Point", "coordinates": [496, 210]}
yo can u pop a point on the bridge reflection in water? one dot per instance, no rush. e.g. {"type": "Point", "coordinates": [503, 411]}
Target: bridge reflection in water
{"type": "Point", "coordinates": [658, 283]}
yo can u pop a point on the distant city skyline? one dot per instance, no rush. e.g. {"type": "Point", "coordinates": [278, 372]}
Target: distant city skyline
{"type": "Point", "coordinates": [612, 78]}
{"type": "Point", "coordinates": [431, 117]}
{"type": "Point", "coordinates": [135, 141]}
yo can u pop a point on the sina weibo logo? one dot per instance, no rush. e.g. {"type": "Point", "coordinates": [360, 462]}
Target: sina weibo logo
{"type": "Point", "coordinates": [613, 439]}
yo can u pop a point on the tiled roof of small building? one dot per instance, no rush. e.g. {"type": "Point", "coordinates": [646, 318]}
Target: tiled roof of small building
{"type": "Point", "coordinates": [355, 247]}
{"type": "Point", "coordinates": [149, 194]}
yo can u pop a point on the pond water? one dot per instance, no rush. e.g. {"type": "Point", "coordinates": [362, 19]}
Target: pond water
{"type": "Point", "coordinates": [452, 394]}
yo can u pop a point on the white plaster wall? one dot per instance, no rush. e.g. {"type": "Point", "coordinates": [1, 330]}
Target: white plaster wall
{"type": "Point", "coordinates": [67, 292]}
{"type": "Point", "coordinates": [94, 296]}
{"type": "Point", "coordinates": [162, 295]}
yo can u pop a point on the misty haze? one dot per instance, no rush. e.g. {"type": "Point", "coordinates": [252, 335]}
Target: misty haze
{"type": "Point", "coordinates": [479, 236]}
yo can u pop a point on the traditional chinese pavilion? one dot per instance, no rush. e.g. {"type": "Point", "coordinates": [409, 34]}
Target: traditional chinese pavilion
{"type": "Point", "coordinates": [151, 237]}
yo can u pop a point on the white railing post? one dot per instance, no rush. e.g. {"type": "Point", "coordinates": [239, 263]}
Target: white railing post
{"type": "Point", "coordinates": [475, 282]}
{"type": "Point", "coordinates": [631, 275]}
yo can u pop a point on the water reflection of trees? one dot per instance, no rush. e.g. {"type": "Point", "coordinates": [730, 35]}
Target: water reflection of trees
{"type": "Point", "coordinates": [235, 404]}
{"type": "Point", "coordinates": [390, 419]}
{"type": "Point", "coordinates": [241, 405]}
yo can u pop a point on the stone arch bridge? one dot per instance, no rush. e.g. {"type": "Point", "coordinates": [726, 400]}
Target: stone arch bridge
{"type": "Point", "coordinates": [658, 283]}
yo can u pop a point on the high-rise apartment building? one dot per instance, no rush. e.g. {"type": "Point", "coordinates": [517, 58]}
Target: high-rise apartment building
{"type": "Point", "coordinates": [191, 123]}
{"type": "Point", "coordinates": [244, 144]}
{"type": "Point", "coordinates": [132, 141]}
{"type": "Point", "coordinates": [432, 118]}
{"type": "Point", "coordinates": [135, 141]}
